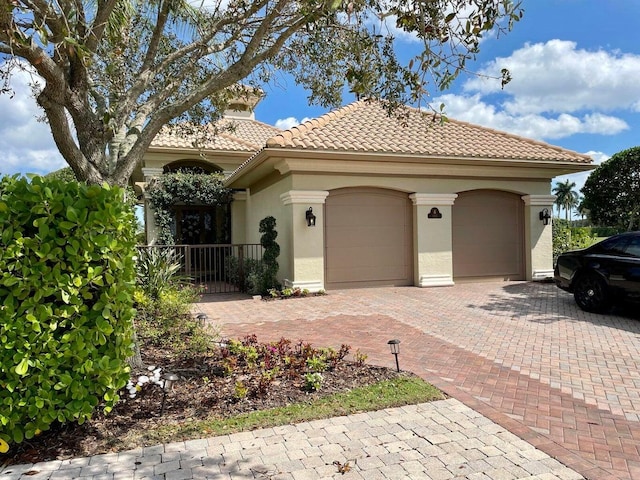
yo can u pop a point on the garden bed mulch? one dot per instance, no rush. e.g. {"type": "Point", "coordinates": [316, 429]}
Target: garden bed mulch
{"type": "Point", "coordinates": [203, 391]}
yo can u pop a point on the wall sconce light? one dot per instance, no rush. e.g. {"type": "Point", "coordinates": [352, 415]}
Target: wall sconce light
{"type": "Point", "coordinates": [311, 218]}
{"type": "Point", "coordinates": [545, 216]}
{"type": "Point", "coordinates": [168, 379]}
{"type": "Point", "coordinates": [394, 345]}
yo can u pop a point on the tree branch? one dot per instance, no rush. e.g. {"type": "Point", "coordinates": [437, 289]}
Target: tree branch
{"type": "Point", "coordinates": [100, 22]}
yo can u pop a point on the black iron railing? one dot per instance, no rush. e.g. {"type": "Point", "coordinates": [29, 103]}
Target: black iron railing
{"type": "Point", "coordinates": [218, 268]}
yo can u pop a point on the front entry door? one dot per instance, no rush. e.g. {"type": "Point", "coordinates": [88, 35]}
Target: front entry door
{"type": "Point", "coordinates": [202, 225]}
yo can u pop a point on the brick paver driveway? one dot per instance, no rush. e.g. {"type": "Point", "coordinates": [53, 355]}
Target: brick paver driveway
{"type": "Point", "coordinates": [520, 353]}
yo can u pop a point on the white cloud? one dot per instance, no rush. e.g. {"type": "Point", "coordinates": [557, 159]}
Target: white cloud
{"type": "Point", "coordinates": [556, 76]}
{"type": "Point", "coordinates": [289, 122]}
{"type": "Point", "coordinates": [26, 143]}
{"type": "Point", "coordinates": [474, 109]}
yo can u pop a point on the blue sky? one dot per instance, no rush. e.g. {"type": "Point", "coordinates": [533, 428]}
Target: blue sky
{"type": "Point", "coordinates": [576, 84]}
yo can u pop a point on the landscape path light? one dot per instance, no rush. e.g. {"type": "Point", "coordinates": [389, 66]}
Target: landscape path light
{"type": "Point", "coordinates": [394, 345]}
{"type": "Point", "coordinates": [202, 318]}
{"type": "Point", "coordinates": [168, 379]}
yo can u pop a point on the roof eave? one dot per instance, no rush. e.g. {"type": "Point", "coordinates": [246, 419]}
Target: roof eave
{"type": "Point", "coordinates": [265, 162]}
{"type": "Point", "coordinates": [259, 165]}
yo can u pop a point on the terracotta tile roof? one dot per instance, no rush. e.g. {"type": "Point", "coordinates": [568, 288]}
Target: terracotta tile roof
{"type": "Point", "coordinates": [364, 126]}
{"type": "Point", "coordinates": [245, 135]}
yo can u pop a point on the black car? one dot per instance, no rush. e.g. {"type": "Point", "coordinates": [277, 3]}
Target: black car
{"type": "Point", "coordinates": [603, 274]}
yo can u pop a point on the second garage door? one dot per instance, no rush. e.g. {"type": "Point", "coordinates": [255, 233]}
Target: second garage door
{"type": "Point", "coordinates": [488, 236]}
{"type": "Point", "coordinates": [368, 238]}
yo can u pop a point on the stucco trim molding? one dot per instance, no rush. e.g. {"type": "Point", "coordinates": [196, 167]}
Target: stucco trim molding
{"type": "Point", "coordinates": [431, 199]}
{"type": "Point", "coordinates": [312, 286]}
{"type": "Point", "coordinates": [539, 200]}
{"type": "Point", "coordinates": [304, 196]}
{"type": "Point", "coordinates": [435, 281]}
{"type": "Point", "coordinates": [541, 275]}
{"type": "Point", "coordinates": [151, 172]}
{"type": "Point", "coordinates": [240, 196]}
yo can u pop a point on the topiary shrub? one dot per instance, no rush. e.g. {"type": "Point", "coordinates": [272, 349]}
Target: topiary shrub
{"type": "Point", "coordinates": [270, 265]}
{"type": "Point", "coordinates": [66, 285]}
{"type": "Point", "coordinates": [258, 277]}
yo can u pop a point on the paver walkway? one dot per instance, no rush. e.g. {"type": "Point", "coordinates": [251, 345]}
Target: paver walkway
{"type": "Point", "coordinates": [522, 354]}
{"type": "Point", "coordinates": [433, 441]}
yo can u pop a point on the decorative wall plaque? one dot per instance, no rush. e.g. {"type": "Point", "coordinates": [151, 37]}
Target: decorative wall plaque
{"type": "Point", "coordinates": [434, 213]}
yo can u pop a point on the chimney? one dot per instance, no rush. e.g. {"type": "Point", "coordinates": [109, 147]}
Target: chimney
{"type": "Point", "coordinates": [242, 102]}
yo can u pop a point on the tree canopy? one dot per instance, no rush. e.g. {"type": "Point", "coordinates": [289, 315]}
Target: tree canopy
{"type": "Point", "coordinates": [612, 191]}
{"type": "Point", "coordinates": [109, 74]}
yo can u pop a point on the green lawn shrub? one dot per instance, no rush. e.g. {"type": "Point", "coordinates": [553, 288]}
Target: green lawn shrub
{"type": "Point", "coordinates": [168, 321]}
{"type": "Point", "coordinates": [164, 301]}
{"type": "Point", "coordinates": [566, 238]}
{"type": "Point", "coordinates": [66, 289]}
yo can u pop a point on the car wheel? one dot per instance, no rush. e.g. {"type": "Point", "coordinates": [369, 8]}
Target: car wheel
{"type": "Point", "coordinates": [590, 293]}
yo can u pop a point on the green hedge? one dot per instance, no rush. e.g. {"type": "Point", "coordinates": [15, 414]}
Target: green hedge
{"type": "Point", "coordinates": [566, 238]}
{"type": "Point", "coordinates": [66, 286]}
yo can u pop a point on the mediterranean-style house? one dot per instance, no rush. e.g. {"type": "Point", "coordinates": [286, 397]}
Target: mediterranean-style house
{"type": "Point", "coordinates": [364, 199]}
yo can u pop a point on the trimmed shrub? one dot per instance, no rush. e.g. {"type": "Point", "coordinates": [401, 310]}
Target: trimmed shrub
{"type": "Point", "coordinates": [259, 276]}
{"type": "Point", "coordinates": [269, 258]}
{"type": "Point", "coordinates": [66, 289]}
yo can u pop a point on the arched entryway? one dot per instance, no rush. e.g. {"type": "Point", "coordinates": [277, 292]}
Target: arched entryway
{"type": "Point", "coordinates": [194, 223]}
{"type": "Point", "coordinates": [488, 236]}
{"type": "Point", "coordinates": [368, 238]}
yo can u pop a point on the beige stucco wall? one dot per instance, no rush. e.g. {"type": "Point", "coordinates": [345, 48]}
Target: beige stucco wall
{"type": "Point", "coordinates": [423, 185]}
{"type": "Point", "coordinates": [306, 262]}
{"type": "Point", "coordinates": [538, 237]}
{"type": "Point", "coordinates": [302, 248]}
{"type": "Point", "coordinates": [267, 202]}
{"type": "Point", "coordinates": [239, 218]}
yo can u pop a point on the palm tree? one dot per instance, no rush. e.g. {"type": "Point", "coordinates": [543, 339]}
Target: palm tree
{"type": "Point", "coordinates": [582, 211]}
{"type": "Point", "coordinates": [566, 197]}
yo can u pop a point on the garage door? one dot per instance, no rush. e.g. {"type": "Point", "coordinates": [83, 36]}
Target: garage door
{"type": "Point", "coordinates": [368, 236]}
{"type": "Point", "coordinates": [488, 236]}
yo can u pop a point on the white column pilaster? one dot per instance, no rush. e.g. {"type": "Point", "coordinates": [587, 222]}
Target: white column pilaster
{"type": "Point", "coordinates": [538, 237]}
{"type": "Point", "coordinates": [307, 255]}
{"type": "Point", "coordinates": [432, 242]}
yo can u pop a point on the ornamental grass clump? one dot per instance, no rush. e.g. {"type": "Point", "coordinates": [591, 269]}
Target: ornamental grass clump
{"type": "Point", "coordinates": [66, 287]}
